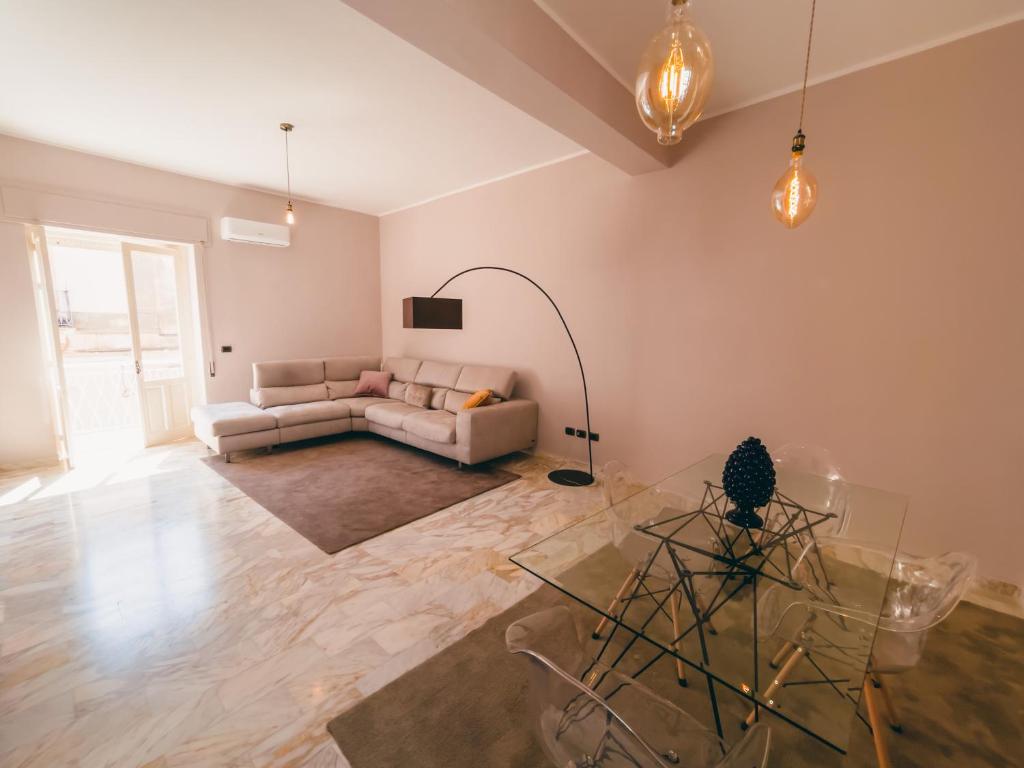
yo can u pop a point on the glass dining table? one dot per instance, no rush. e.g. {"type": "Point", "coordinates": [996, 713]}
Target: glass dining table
{"type": "Point", "coordinates": [669, 579]}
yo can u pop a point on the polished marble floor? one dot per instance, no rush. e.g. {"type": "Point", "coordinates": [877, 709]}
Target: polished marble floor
{"type": "Point", "coordinates": [152, 614]}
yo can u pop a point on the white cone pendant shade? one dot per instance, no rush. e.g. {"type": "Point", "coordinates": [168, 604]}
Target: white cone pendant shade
{"type": "Point", "coordinates": [674, 80]}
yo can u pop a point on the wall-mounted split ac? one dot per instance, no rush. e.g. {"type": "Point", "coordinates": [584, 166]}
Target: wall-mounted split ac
{"type": "Point", "coordinates": [254, 232]}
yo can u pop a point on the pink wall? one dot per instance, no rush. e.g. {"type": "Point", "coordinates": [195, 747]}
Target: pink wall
{"type": "Point", "coordinates": [320, 296]}
{"type": "Point", "coordinates": [887, 328]}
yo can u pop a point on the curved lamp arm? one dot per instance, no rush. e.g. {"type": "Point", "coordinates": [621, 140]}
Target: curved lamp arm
{"type": "Point", "coordinates": [579, 361]}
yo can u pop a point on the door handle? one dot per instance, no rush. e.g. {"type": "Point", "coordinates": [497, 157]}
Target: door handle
{"type": "Point", "coordinates": [138, 368]}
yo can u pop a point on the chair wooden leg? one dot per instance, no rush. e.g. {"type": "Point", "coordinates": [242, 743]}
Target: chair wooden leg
{"type": "Point", "coordinates": [627, 585]}
{"type": "Point", "coordinates": [778, 658]}
{"type": "Point", "coordinates": [881, 748]}
{"type": "Point", "coordinates": [778, 681]}
{"type": "Point", "coordinates": [890, 709]}
{"type": "Point", "coordinates": [675, 602]}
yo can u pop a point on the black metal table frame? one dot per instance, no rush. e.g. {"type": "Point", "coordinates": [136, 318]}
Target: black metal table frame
{"type": "Point", "coordinates": [745, 565]}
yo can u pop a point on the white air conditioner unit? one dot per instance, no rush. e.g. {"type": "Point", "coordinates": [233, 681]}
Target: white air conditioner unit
{"type": "Point", "coordinates": [254, 232]}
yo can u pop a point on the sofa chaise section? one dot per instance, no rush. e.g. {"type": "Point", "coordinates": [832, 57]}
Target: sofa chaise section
{"type": "Point", "coordinates": [227, 427]}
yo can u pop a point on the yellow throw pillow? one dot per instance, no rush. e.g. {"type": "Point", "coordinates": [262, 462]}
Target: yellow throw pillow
{"type": "Point", "coordinates": [479, 397]}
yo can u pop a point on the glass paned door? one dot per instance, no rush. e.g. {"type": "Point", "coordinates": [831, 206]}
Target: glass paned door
{"type": "Point", "coordinates": [157, 305]}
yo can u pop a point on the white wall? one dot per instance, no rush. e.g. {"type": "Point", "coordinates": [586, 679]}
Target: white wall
{"type": "Point", "coordinates": [321, 296]}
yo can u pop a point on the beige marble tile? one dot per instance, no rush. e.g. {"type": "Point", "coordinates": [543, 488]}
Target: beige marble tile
{"type": "Point", "coordinates": [151, 614]}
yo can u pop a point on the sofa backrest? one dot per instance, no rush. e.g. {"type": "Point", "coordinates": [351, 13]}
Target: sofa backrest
{"type": "Point", "coordinates": [284, 382]}
{"type": "Point", "coordinates": [402, 369]}
{"type": "Point", "coordinates": [438, 375]}
{"type": "Point", "coordinates": [501, 381]}
{"type": "Point", "coordinates": [342, 374]}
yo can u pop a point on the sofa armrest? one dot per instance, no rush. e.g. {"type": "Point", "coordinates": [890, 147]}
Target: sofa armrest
{"type": "Point", "coordinates": [489, 431]}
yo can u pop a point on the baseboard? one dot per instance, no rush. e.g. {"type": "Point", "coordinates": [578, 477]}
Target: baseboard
{"type": "Point", "coordinates": [998, 596]}
{"type": "Point", "coordinates": [29, 466]}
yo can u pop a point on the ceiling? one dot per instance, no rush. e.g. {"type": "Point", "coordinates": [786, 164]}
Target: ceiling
{"type": "Point", "coordinates": [199, 87]}
{"type": "Point", "coordinates": [759, 45]}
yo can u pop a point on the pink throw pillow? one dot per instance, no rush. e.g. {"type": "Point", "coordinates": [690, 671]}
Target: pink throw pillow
{"type": "Point", "coordinates": [373, 383]}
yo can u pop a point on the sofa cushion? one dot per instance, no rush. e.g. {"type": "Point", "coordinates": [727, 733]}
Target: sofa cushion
{"type": "Point", "coordinates": [500, 381]}
{"type": "Point", "coordinates": [438, 426]}
{"type": "Point", "coordinates": [357, 405]}
{"type": "Point", "coordinates": [349, 368]}
{"type": "Point", "coordinates": [308, 413]}
{"type": "Point", "coordinates": [396, 390]}
{"type": "Point", "coordinates": [339, 389]}
{"type": "Point", "coordinates": [418, 395]}
{"type": "Point", "coordinates": [287, 373]}
{"type": "Point", "coordinates": [478, 398]}
{"type": "Point", "coordinates": [268, 397]}
{"type": "Point", "coordinates": [403, 368]}
{"type": "Point", "coordinates": [224, 419]}
{"type": "Point", "coordinates": [437, 398]}
{"type": "Point", "coordinates": [454, 400]}
{"type": "Point", "coordinates": [390, 414]}
{"type": "Point", "coordinates": [435, 374]}
{"type": "Point", "coordinates": [373, 383]}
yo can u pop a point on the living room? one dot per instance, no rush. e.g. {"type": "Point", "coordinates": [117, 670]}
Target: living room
{"type": "Point", "coordinates": [331, 503]}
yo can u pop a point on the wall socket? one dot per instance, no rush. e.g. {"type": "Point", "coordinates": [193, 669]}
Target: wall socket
{"type": "Point", "coordinates": [582, 434]}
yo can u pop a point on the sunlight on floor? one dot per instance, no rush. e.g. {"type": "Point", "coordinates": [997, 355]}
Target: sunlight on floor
{"type": "Point", "coordinates": [101, 459]}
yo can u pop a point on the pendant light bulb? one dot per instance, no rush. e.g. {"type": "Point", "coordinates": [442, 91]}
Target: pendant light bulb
{"type": "Point", "coordinates": [796, 191]}
{"type": "Point", "coordinates": [289, 211]}
{"type": "Point", "coordinates": [675, 76]}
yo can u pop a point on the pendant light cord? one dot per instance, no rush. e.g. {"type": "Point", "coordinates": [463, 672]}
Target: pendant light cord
{"type": "Point", "coordinates": [288, 167]}
{"type": "Point", "coordinates": [807, 68]}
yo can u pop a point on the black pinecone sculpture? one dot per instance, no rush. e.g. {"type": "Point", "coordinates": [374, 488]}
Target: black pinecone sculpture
{"type": "Point", "coordinates": [749, 481]}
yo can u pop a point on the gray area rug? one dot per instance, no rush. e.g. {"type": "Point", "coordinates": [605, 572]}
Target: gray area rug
{"type": "Point", "coordinates": [340, 491]}
{"type": "Point", "coordinates": [467, 706]}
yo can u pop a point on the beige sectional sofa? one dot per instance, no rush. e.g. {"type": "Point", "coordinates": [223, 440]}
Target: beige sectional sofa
{"type": "Point", "coordinates": [299, 399]}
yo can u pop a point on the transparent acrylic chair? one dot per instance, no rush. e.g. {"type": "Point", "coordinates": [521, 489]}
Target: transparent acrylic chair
{"type": "Point", "coordinates": [831, 494]}
{"type": "Point", "coordinates": [825, 619]}
{"type": "Point", "coordinates": [628, 502]}
{"type": "Point", "coordinates": [608, 720]}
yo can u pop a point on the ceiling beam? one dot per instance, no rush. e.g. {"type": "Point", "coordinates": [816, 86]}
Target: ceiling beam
{"type": "Point", "coordinates": [515, 50]}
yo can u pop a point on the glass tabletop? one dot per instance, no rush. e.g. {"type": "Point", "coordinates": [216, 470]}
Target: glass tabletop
{"type": "Point", "coordinates": [669, 577]}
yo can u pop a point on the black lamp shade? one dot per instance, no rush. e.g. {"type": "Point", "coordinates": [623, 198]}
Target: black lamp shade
{"type": "Point", "coordinates": [425, 312]}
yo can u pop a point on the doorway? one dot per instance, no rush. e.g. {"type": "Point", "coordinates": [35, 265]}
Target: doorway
{"type": "Point", "coordinates": [121, 338]}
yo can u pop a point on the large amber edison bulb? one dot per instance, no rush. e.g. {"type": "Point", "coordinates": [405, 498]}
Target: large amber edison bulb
{"type": "Point", "coordinates": [675, 76]}
{"type": "Point", "coordinates": [795, 193]}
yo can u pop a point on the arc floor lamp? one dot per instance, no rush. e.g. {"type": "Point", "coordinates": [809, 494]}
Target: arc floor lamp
{"type": "Point", "coordinates": [432, 312]}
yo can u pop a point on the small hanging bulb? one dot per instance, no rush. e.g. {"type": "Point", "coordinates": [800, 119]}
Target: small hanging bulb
{"type": "Point", "coordinates": [796, 191]}
{"type": "Point", "coordinates": [289, 215]}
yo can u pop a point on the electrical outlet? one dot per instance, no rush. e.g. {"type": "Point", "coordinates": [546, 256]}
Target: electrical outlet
{"type": "Point", "coordinates": [595, 437]}
{"type": "Point", "coordinates": [225, 348]}
{"type": "Point", "coordinates": [581, 433]}
{"type": "Point", "coordinates": [570, 431]}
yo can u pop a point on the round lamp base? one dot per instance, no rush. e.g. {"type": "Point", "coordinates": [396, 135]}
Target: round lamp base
{"type": "Point", "coordinates": [570, 477]}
